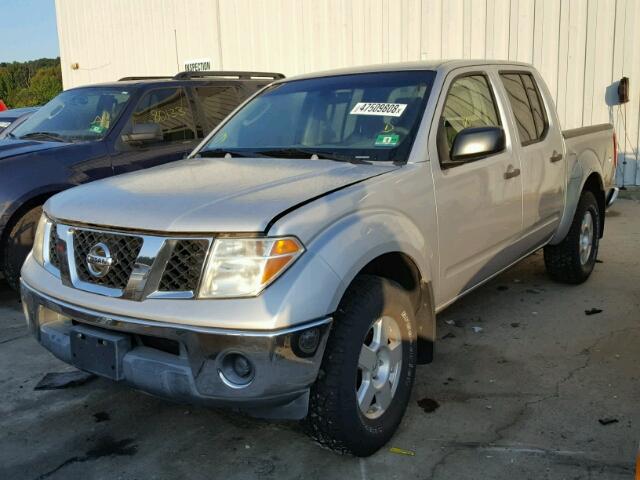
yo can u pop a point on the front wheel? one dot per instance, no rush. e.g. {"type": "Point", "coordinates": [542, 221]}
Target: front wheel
{"type": "Point", "coordinates": [573, 260]}
{"type": "Point", "coordinates": [368, 369]}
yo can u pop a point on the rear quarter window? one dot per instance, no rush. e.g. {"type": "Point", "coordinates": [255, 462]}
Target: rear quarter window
{"type": "Point", "coordinates": [216, 102]}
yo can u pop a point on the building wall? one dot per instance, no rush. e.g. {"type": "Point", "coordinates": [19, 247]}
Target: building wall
{"type": "Point", "coordinates": [581, 47]}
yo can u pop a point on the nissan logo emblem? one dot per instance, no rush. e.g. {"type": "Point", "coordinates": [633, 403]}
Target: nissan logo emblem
{"type": "Point", "coordinates": [99, 260]}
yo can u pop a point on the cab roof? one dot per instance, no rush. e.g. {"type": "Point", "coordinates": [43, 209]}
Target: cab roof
{"type": "Point", "coordinates": [438, 65]}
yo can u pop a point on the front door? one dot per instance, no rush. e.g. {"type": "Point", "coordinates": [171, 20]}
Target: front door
{"type": "Point", "coordinates": [479, 203]}
{"type": "Point", "coordinates": [169, 108]}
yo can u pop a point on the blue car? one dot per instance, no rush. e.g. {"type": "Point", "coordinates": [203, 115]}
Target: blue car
{"type": "Point", "coordinates": [97, 131]}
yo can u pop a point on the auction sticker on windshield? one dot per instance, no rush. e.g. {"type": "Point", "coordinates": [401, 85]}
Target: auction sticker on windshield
{"type": "Point", "coordinates": [382, 109]}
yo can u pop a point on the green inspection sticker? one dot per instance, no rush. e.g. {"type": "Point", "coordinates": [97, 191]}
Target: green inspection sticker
{"type": "Point", "coordinates": [387, 140]}
{"type": "Point", "coordinates": [97, 129]}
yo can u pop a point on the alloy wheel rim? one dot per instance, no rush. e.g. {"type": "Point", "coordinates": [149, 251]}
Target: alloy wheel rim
{"type": "Point", "coordinates": [586, 237]}
{"type": "Point", "coordinates": [379, 366]}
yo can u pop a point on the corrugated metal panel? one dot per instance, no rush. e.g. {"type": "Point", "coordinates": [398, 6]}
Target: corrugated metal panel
{"type": "Point", "coordinates": [580, 46]}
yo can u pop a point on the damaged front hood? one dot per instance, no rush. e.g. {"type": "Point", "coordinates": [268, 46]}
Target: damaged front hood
{"type": "Point", "coordinates": [206, 194]}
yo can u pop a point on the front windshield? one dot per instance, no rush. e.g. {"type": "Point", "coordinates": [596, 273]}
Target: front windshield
{"type": "Point", "coordinates": [75, 115]}
{"type": "Point", "coordinates": [361, 117]}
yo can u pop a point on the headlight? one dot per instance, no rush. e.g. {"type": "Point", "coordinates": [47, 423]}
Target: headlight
{"type": "Point", "coordinates": [38, 241]}
{"type": "Point", "coordinates": [243, 267]}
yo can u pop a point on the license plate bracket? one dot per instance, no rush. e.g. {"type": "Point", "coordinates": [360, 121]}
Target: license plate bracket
{"type": "Point", "coordinates": [99, 351]}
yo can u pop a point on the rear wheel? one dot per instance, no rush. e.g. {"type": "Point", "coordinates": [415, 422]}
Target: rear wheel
{"type": "Point", "coordinates": [17, 246]}
{"type": "Point", "coordinates": [573, 260]}
{"type": "Point", "coordinates": [367, 371]}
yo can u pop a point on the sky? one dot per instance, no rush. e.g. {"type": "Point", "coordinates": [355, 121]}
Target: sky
{"type": "Point", "coordinates": [28, 30]}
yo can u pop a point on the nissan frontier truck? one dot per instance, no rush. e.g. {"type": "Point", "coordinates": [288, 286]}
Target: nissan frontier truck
{"type": "Point", "coordinates": [293, 265]}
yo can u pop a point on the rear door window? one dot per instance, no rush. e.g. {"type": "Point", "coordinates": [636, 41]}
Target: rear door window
{"type": "Point", "coordinates": [539, 114]}
{"type": "Point", "coordinates": [216, 102]}
{"type": "Point", "coordinates": [526, 105]}
{"type": "Point", "coordinates": [169, 108]}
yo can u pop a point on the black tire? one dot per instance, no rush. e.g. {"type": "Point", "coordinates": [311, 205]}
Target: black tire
{"type": "Point", "coordinates": [562, 261]}
{"type": "Point", "coordinates": [335, 419]}
{"type": "Point", "coordinates": [17, 245]}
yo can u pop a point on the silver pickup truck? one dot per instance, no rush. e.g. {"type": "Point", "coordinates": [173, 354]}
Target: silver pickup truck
{"type": "Point", "coordinates": [293, 265]}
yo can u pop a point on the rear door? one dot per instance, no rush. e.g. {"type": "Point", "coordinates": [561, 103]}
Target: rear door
{"type": "Point", "coordinates": [171, 109]}
{"type": "Point", "coordinates": [539, 146]}
{"type": "Point", "coordinates": [479, 208]}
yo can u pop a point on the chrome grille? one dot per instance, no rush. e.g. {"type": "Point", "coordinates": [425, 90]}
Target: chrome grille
{"type": "Point", "coordinates": [54, 260]}
{"type": "Point", "coordinates": [184, 267]}
{"type": "Point", "coordinates": [124, 251]}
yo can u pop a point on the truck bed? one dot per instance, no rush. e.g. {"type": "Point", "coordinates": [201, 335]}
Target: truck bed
{"type": "Point", "coordinates": [599, 140]}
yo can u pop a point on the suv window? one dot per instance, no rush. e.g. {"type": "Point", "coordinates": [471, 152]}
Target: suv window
{"type": "Point", "coordinates": [470, 103]}
{"type": "Point", "coordinates": [216, 103]}
{"type": "Point", "coordinates": [527, 106]}
{"type": "Point", "coordinates": [168, 107]}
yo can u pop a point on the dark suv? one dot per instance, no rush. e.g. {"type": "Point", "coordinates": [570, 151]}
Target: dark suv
{"type": "Point", "coordinates": [102, 130]}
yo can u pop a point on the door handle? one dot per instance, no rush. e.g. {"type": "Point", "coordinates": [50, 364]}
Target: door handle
{"type": "Point", "coordinates": [556, 157]}
{"type": "Point", "coordinates": [511, 172]}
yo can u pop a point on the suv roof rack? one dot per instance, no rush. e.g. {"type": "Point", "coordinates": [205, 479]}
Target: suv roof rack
{"type": "Point", "coordinates": [124, 79]}
{"type": "Point", "coordinates": [238, 74]}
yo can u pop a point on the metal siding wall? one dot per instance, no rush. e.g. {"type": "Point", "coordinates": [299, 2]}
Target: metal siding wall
{"type": "Point", "coordinates": [580, 46]}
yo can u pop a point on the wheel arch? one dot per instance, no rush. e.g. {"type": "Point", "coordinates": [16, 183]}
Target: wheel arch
{"type": "Point", "coordinates": [592, 182]}
{"type": "Point", "coordinates": [22, 206]}
{"type": "Point", "coordinates": [26, 203]}
{"type": "Point", "coordinates": [402, 269]}
{"type": "Point", "coordinates": [595, 185]}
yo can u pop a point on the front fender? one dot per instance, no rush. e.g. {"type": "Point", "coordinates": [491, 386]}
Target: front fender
{"type": "Point", "coordinates": [349, 244]}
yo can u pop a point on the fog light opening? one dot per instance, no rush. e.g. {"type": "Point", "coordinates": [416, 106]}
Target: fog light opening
{"type": "Point", "coordinates": [236, 370]}
{"type": "Point", "coordinates": [241, 366]}
{"type": "Point", "coordinates": [306, 343]}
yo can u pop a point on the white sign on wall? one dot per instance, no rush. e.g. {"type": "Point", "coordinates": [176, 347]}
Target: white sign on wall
{"type": "Point", "coordinates": [197, 65]}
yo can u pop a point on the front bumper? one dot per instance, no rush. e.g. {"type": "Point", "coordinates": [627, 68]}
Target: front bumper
{"type": "Point", "coordinates": [188, 363]}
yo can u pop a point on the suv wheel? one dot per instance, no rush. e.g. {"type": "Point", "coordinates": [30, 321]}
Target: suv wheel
{"type": "Point", "coordinates": [367, 371]}
{"type": "Point", "coordinates": [572, 260]}
{"type": "Point", "coordinates": [17, 246]}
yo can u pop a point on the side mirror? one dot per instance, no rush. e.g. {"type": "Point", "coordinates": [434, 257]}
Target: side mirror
{"type": "Point", "coordinates": [143, 133]}
{"type": "Point", "coordinates": [474, 143]}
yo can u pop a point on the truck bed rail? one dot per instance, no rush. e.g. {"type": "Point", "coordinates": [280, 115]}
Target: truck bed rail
{"type": "Point", "coordinates": [576, 132]}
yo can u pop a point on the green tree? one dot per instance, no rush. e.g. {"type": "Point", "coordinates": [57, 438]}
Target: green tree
{"type": "Point", "coordinates": [30, 83]}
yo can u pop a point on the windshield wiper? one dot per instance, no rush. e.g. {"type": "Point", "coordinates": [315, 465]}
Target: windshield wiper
{"type": "Point", "coordinates": [50, 135]}
{"type": "Point", "coordinates": [222, 152]}
{"type": "Point", "coordinates": [312, 154]}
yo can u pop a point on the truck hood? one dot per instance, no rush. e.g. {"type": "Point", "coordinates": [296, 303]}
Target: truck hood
{"type": "Point", "coordinates": [206, 194]}
{"type": "Point", "coordinates": [10, 147]}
